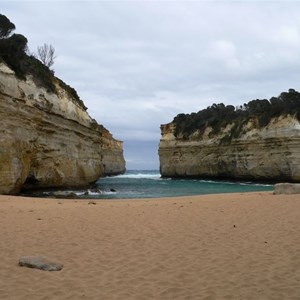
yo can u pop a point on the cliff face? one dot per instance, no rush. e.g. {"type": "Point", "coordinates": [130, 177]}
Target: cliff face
{"type": "Point", "coordinates": [271, 153]}
{"type": "Point", "coordinates": [49, 140]}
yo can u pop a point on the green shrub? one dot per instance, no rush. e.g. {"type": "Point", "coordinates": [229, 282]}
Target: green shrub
{"type": "Point", "coordinates": [6, 27]}
{"type": "Point", "coordinates": [218, 116]}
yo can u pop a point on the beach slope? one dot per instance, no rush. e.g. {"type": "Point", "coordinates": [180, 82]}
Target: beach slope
{"type": "Point", "coordinates": [229, 246]}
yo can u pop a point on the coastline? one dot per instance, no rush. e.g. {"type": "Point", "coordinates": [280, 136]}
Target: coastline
{"type": "Point", "coordinates": [222, 246]}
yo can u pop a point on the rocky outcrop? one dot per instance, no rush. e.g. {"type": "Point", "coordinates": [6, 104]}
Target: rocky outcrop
{"type": "Point", "coordinates": [286, 188]}
{"type": "Point", "coordinates": [49, 140]}
{"type": "Point", "coordinates": [269, 153]}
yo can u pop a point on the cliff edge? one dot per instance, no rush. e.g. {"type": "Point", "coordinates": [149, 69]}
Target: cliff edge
{"type": "Point", "coordinates": [258, 141]}
{"type": "Point", "coordinates": [48, 139]}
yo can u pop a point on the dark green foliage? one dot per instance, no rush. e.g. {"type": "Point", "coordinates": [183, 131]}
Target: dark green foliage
{"type": "Point", "coordinates": [6, 27]}
{"type": "Point", "coordinates": [12, 48]}
{"type": "Point", "coordinates": [218, 115]}
{"type": "Point", "coordinates": [13, 53]}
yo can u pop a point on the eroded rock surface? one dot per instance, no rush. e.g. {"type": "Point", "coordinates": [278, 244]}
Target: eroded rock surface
{"type": "Point", "coordinates": [49, 140]}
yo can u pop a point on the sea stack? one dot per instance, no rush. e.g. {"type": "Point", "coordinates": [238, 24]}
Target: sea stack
{"type": "Point", "coordinates": [258, 141]}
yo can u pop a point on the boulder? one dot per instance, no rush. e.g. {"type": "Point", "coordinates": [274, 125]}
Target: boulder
{"type": "Point", "coordinates": [287, 188]}
{"type": "Point", "coordinates": [40, 262]}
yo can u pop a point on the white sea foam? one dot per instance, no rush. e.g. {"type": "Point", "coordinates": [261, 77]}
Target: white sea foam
{"type": "Point", "coordinates": [94, 193]}
{"type": "Point", "coordinates": [235, 183]}
{"type": "Point", "coordinates": [109, 193]}
{"type": "Point", "coordinates": [255, 184]}
{"type": "Point", "coordinates": [155, 176]}
{"type": "Point", "coordinates": [78, 193]}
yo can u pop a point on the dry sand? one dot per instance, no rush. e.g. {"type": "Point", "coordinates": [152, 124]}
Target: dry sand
{"type": "Point", "coordinates": [232, 246]}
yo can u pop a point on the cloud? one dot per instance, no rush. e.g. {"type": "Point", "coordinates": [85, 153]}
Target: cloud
{"type": "Point", "coordinates": [224, 53]}
{"type": "Point", "coordinates": [137, 64]}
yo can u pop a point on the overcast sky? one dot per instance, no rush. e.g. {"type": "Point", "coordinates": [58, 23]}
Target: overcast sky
{"type": "Point", "coordinates": [137, 64]}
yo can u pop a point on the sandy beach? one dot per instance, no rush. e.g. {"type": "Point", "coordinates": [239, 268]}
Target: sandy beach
{"type": "Point", "coordinates": [229, 246]}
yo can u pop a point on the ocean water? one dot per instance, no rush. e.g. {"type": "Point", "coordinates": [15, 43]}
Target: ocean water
{"type": "Point", "coordinates": [149, 184]}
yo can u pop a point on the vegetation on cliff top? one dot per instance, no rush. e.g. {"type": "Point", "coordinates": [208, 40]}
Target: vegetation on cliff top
{"type": "Point", "coordinates": [218, 116]}
{"type": "Point", "coordinates": [13, 51]}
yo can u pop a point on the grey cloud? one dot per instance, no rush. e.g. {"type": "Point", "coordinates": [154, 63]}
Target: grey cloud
{"type": "Point", "coordinates": [137, 64]}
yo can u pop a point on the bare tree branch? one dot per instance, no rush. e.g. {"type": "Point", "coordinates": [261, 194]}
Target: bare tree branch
{"type": "Point", "coordinates": [46, 55]}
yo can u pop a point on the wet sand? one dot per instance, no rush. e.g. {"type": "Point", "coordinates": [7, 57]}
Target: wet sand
{"type": "Point", "coordinates": [229, 246]}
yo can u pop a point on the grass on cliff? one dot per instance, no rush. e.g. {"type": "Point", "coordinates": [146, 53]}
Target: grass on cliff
{"type": "Point", "coordinates": [218, 116]}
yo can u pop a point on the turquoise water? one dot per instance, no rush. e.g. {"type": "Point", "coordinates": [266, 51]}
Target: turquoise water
{"type": "Point", "coordinates": [149, 184]}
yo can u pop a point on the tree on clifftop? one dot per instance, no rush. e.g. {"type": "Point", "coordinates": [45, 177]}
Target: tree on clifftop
{"type": "Point", "coordinates": [13, 51]}
{"type": "Point", "coordinates": [12, 47]}
{"type": "Point", "coordinates": [46, 55]}
{"type": "Point", "coordinates": [218, 116]}
{"type": "Point", "coordinates": [6, 27]}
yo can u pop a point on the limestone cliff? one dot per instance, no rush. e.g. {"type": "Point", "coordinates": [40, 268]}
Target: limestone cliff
{"type": "Point", "coordinates": [48, 139]}
{"type": "Point", "coordinates": [270, 152]}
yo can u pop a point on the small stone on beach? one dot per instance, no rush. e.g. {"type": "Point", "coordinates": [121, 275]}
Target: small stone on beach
{"type": "Point", "coordinates": [39, 262]}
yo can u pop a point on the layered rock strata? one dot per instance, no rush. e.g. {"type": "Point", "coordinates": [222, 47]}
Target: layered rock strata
{"type": "Point", "coordinates": [271, 153]}
{"type": "Point", "coordinates": [49, 140]}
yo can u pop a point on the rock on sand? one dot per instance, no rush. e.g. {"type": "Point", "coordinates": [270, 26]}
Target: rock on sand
{"type": "Point", "coordinates": [39, 262]}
